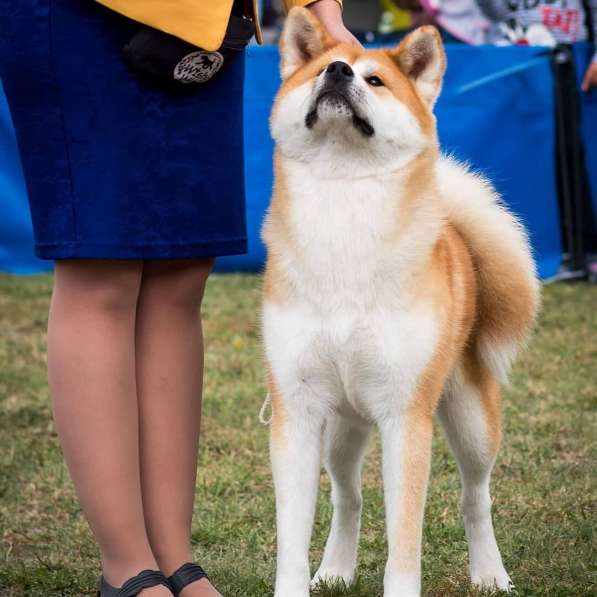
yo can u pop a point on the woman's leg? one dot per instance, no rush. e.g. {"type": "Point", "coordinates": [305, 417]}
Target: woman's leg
{"type": "Point", "coordinates": [91, 370]}
{"type": "Point", "coordinates": [169, 377]}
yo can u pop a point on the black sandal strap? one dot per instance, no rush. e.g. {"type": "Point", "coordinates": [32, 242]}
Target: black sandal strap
{"type": "Point", "coordinates": [133, 586]}
{"type": "Point", "coordinates": [184, 576]}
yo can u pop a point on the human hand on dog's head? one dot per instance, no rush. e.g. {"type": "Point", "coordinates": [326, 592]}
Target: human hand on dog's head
{"type": "Point", "coordinates": [329, 12]}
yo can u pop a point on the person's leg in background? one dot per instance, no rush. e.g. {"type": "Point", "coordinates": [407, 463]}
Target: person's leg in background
{"type": "Point", "coordinates": [91, 371]}
{"type": "Point", "coordinates": [169, 349]}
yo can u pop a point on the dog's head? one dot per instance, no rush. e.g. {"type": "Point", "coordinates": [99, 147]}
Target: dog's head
{"type": "Point", "coordinates": [358, 106]}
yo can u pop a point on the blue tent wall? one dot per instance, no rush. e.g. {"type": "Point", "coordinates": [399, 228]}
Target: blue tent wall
{"type": "Point", "coordinates": [496, 112]}
{"type": "Point", "coordinates": [588, 104]}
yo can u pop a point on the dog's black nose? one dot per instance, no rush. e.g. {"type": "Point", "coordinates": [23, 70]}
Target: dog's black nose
{"type": "Point", "coordinates": [339, 71]}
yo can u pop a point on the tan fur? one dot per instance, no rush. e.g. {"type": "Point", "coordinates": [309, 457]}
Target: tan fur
{"type": "Point", "coordinates": [276, 233]}
{"type": "Point", "coordinates": [414, 472]}
{"type": "Point", "coordinates": [508, 294]}
{"type": "Point", "coordinates": [279, 414]}
{"type": "Point", "coordinates": [478, 375]}
{"type": "Point", "coordinates": [449, 284]}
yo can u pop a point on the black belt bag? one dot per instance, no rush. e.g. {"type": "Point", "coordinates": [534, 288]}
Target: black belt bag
{"type": "Point", "coordinates": [168, 59]}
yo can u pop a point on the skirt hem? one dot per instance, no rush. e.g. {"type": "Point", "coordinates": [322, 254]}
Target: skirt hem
{"type": "Point", "coordinates": [78, 250]}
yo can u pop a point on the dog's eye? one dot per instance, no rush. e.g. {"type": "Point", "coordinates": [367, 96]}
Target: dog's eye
{"type": "Point", "coordinates": [374, 81]}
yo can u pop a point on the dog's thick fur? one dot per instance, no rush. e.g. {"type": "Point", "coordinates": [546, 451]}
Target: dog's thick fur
{"type": "Point", "coordinates": [397, 286]}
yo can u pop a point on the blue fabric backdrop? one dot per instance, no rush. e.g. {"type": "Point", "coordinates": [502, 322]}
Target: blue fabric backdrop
{"type": "Point", "coordinates": [588, 105]}
{"type": "Point", "coordinates": [496, 112]}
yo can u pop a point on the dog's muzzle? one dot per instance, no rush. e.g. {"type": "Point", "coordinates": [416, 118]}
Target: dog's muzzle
{"type": "Point", "coordinates": [336, 88]}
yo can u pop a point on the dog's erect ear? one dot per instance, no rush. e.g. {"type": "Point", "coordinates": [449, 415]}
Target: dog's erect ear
{"type": "Point", "coordinates": [421, 57]}
{"type": "Point", "coordinates": [303, 38]}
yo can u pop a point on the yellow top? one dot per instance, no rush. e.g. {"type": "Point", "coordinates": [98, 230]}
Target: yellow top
{"type": "Point", "coordinates": [200, 22]}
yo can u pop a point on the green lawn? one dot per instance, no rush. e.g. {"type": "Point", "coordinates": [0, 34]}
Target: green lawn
{"type": "Point", "coordinates": [544, 482]}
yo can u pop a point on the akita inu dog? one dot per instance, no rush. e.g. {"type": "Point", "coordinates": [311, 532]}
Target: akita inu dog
{"type": "Point", "coordinates": [397, 286]}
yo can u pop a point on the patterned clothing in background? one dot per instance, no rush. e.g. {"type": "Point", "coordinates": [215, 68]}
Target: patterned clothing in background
{"type": "Point", "coordinates": [565, 19]}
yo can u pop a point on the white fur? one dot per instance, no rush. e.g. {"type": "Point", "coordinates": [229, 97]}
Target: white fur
{"type": "Point", "coordinates": [348, 346]}
{"type": "Point", "coordinates": [334, 148]}
{"type": "Point", "coordinates": [344, 446]}
{"type": "Point", "coordinates": [499, 357]}
{"type": "Point", "coordinates": [342, 238]}
{"type": "Point", "coordinates": [352, 368]}
{"type": "Point", "coordinates": [476, 207]}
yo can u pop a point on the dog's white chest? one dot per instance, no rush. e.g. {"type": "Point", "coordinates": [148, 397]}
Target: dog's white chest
{"type": "Point", "coordinates": [342, 240]}
{"type": "Point", "coordinates": [367, 363]}
{"type": "Point", "coordinates": [350, 337]}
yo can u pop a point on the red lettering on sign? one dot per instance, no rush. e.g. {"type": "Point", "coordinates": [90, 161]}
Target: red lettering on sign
{"type": "Point", "coordinates": [567, 21]}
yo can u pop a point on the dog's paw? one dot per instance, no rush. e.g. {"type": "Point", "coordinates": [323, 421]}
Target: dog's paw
{"type": "Point", "coordinates": [495, 580]}
{"type": "Point", "coordinates": [333, 576]}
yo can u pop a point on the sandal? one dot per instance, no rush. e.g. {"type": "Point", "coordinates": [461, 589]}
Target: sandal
{"type": "Point", "coordinates": [133, 586]}
{"type": "Point", "coordinates": [184, 576]}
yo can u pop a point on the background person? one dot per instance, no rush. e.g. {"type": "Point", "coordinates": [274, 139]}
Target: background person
{"type": "Point", "coordinates": [569, 21]}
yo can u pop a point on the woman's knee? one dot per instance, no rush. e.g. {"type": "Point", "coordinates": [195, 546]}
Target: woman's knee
{"type": "Point", "coordinates": [109, 286]}
{"type": "Point", "coordinates": [177, 284]}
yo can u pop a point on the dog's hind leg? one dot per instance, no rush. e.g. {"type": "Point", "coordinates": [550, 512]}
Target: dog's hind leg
{"type": "Point", "coordinates": [344, 446]}
{"type": "Point", "coordinates": [469, 412]}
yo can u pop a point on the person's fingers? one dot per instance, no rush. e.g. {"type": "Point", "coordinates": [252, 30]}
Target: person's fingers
{"type": "Point", "coordinates": [344, 36]}
{"type": "Point", "coordinates": [585, 82]}
{"type": "Point", "coordinates": [347, 37]}
{"type": "Point", "coordinates": [329, 12]}
{"type": "Point", "coordinates": [355, 42]}
{"type": "Point", "coordinates": [590, 78]}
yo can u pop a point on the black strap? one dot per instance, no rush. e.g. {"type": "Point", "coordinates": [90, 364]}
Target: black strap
{"type": "Point", "coordinates": [590, 25]}
{"type": "Point", "coordinates": [133, 586]}
{"type": "Point", "coordinates": [184, 576]}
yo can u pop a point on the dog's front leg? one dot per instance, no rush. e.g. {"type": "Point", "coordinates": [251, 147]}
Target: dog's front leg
{"type": "Point", "coordinates": [295, 448]}
{"type": "Point", "coordinates": [406, 443]}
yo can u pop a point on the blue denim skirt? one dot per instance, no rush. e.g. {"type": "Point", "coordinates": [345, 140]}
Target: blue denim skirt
{"type": "Point", "coordinates": [118, 167]}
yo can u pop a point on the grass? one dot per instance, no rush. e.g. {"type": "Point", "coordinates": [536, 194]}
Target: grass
{"type": "Point", "coordinates": [543, 487]}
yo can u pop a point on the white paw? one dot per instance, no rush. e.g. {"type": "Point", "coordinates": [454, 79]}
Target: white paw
{"type": "Point", "coordinates": [496, 579]}
{"type": "Point", "coordinates": [292, 587]}
{"type": "Point", "coordinates": [333, 576]}
{"type": "Point", "coordinates": [406, 592]}
{"type": "Point", "coordinates": [402, 585]}
{"type": "Point", "coordinates": [284, 592]}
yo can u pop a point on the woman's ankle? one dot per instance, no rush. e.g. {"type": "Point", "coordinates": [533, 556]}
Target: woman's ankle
{"type": "Point", "coordinates": [117, 571]}
{"type": "Point", "coordinates": [170, 560]}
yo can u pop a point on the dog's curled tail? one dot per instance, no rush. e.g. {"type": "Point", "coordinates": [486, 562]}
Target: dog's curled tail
{"type": "Point", "coordinates": [508, 291]}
